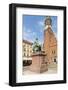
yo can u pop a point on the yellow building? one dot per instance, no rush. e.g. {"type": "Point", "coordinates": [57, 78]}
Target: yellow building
{"type": "Point", "coordinates": [26, 50]}
{"type": "Point", "coordinates": [50, 42]}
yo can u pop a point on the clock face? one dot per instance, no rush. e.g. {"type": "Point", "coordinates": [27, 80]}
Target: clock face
{"type": "Point", "coordinates": [47, 27]}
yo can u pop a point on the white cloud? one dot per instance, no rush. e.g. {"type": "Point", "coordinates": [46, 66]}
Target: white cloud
{"type": "Point", "coordinates": [28, 34]}
{"type": "Point", "coordinates": [34, 34]}
{"type": "Point", "coordinates": [28, 30]}
{"type": "Point", "coordinates": [41, 23]}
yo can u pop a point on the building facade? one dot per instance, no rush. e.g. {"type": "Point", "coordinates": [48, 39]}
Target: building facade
{"type": "Point", "coordinates": [27, 51]}
{"type": "Point", "coordinates": [50, 42]}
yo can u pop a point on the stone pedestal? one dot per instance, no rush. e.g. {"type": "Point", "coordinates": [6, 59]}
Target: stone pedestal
{"type": "Point", "coordinates": [39, 62]}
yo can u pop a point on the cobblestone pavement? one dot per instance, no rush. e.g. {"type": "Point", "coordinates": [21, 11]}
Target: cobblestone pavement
{"type": "Point", "coordinates": [51, 70]}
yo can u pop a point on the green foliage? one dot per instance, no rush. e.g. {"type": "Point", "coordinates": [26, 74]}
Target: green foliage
{"type": "Point", "coordinates": [36, 46]}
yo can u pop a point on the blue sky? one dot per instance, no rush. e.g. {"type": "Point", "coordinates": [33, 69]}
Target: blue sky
{"type": "Point", "coordinates": [33, 27]}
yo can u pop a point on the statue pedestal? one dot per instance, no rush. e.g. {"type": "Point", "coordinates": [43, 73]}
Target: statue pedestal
{"type": "Point", "coordinates": [39, 62]}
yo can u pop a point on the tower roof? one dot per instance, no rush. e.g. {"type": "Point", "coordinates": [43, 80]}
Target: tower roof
{"type": "Point", "coordinates": [48, 17]}
{"type": "Point", "coordinates": [48, 20]}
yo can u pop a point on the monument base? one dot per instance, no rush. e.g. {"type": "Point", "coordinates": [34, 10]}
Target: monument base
{"type": "Point", "coordinates": [39, 63]}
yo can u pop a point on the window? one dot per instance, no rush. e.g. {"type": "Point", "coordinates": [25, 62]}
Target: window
{"type": "Point", "coordinates": [23, 46]}
{"type": "Point", "coordinates": [54, 52]}
{"type": "Point", "coordinates": [54, 60]}
{"type": "Point", "coordinates": [24, 54]}
{"type": "Point", "coordinates": [27, 55]}
{"type": "Point", "coordinates": [24, 49]}
{"type": "Point", "coordinates": [27, 50]}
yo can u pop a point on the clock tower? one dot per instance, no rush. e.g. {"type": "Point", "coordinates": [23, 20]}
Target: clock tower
{"type": "Point", "coordinates": [50, 42]}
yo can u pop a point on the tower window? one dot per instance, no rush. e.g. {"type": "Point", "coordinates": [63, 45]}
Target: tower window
{"type": "Point", "coordinates": [52, 52]}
